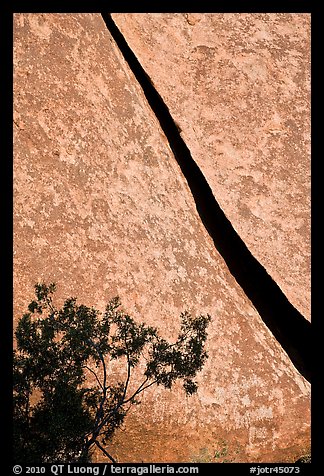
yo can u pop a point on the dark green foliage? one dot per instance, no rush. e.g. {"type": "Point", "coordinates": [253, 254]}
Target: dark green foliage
{"type": "Point", "coordinates": [58, 415]}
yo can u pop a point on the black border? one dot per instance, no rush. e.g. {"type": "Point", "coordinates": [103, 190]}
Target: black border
{"type": "Point", "coordinates": [203, 6]}
{"type": "Point", "coordinates": [6, 248]}
{"type": "Point", "coordinates": [317, 421]}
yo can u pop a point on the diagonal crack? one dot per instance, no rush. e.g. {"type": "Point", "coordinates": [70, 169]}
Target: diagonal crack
{"type": "Point", "coordinates": [289, 327]}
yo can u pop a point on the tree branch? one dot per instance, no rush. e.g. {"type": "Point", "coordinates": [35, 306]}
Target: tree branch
{"type": "Point", "coordinates": [101, 421]}
{"type": "Point", "coordinates": [105, 452]}
{"type": "Point", "coordinates": [128, 372]}
{"type": "Point", "coordinates": [122, 400]}
{"type": "Point", "coordinates": [140, 390]}
{"type": "Point", "coordinates": [183, 338]}
{"type": "Point", "coordinates": [94, 373]}
{"type": "Point", "coordinates": [49, 302]}
{"type": "Point", "coordinates": [97, 425]}
{"type": "Point", "coordinates": [104, 385]}
{"type": "Point", "coordinates": [121, 403]}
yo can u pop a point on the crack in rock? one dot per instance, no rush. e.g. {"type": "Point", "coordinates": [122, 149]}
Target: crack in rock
{"type": "Point", "coordinates": [286, 323]}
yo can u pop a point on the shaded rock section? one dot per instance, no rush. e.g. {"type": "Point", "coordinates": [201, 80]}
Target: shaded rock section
{"type": "Point", "coordinates": [102, 208]}
{"type": "Point", "coordinates": [238, 86]}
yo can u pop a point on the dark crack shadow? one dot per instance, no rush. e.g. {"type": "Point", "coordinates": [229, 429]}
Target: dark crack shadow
{"type": "Point", "coordinates": [289, 327]}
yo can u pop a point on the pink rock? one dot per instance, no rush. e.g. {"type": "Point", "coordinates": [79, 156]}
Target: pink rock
{"type": "Point", "coordinates": [101, 208]}
{"type": "Point", "coordinates": [238, 85]}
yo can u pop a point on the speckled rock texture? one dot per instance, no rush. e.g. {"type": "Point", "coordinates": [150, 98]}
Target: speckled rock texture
{"type": "Point", "coordinates": [238, 85]}
{"type": "Point", "coordinates": [102, 209]}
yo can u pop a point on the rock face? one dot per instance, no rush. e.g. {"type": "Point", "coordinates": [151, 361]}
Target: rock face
{"type": "Point", "coordinates": [102, 209]}
{"type": "Point", "coordinates": [238, 85]}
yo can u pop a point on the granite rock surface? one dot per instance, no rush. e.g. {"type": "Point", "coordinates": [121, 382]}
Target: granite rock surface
{"type": "Point", "coordinates": [238, 86]}
{"type": "Point", "coordinates": [102, 209]}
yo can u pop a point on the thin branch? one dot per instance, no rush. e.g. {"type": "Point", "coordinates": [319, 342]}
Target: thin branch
{"type": "Point", "coordinates": [97, 426]}
{"type": "Point", "coordinates": [105, 452]}
{"type": "Point", "coordinates": [104, 385]}
{"type": "Point", "coordinates": [94, 373]}
{"type": "Point", "coordinates": [122, 400]}
{"type": "Point", "coordinates": [128, 372]}
{"type": "Point", "coordinates": [110, 414]}
{"type": "Point", "coordinates": [49, 302]}
{"type": "Point", "coordinates": [137, 391]}
{"type": "Point", "coordinates": [140, 390]}
{"type": "Point", "coordinates": [179, 341]}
